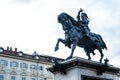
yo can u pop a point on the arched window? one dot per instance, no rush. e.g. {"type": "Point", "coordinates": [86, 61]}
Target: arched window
{"type": "Point", "coordinates": [1, 50]}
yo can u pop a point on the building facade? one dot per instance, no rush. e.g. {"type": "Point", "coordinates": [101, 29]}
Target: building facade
{"type": "Point", "coordinates": [16, 65]}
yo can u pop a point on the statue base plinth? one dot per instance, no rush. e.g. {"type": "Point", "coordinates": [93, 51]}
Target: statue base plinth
{"type": "Point", "coordinates": [82, 69]}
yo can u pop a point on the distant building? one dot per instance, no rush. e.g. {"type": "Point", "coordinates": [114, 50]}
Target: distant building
{"type": "Point", "coordinates": [16, 65]}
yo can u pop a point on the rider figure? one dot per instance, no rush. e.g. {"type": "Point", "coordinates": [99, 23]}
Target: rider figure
{"type": "Point", "coordinates": [84, 21]}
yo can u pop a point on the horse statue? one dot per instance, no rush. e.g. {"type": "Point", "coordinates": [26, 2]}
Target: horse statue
{"type": "Point", "coordinates": [75, 36]}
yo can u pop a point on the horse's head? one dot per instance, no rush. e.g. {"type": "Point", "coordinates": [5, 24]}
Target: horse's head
{"type": "Point", "coordinates": [62, 18]}
{"type": "Point", "coordinates": [65, 20]}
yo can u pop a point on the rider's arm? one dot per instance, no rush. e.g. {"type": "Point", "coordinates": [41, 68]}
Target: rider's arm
{"type": "Point", "coordinates": [78, 16]}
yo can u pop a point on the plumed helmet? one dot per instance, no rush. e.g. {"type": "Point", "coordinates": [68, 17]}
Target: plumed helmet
{"type": "Point", "coordinates": [81, 10]}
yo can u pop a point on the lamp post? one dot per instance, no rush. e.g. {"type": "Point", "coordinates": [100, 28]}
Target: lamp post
{"type": "Point", "coordinates": [37, 68]}
{"type": "Point", "coordinates": [37, 58]}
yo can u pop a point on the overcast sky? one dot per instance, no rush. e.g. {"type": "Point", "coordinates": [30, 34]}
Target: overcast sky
{"type": "Point", "coordinates": [31, 25]}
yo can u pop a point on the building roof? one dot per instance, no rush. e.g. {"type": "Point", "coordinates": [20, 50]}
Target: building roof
{"type": "Point", "coordinates": [21, 55]}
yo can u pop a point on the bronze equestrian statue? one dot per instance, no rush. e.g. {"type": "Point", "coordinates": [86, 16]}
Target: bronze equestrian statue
{"type": "Point", "coordinates": [77, 33]}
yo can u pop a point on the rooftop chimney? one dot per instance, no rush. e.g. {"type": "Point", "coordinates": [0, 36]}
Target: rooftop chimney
{"type": "Point", "coordinates": [15, 49]}
{"type": "Point", "coordinates": [7, 48]}
{"type": "Point", "coordinates": [10, 48]}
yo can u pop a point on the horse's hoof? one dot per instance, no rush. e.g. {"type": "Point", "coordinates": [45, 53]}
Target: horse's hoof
{"type": "Point", "coordinates": [93, 54]}
{"type": "Point", "coordinates": [100, 61]}
{"type": "Point", "coordinates": [89, 58]}
{"type": "Point", "coordinates": [56, 48]}
{"type": "Point", "coordinates": [68, 58]}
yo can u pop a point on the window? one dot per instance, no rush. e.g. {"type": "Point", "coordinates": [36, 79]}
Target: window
{"type": "Point", "coordinates": [13, 78]}
{"type": "Point", "coordinates": [45, 78]}
{"type": "Point", "coordinates": [23, 78]}
{"type": "Point", "coordinates": [40, 68]}
{"type": "Point", "coordinates": [3, 62]}
{"type": "Point", "coordinates": [23, 65]}
{"type": "Point", "coordinates": [37, 57]}
{"type": "Point", "coordinates": [20, 54]}
{"type": "Point", "coordinates": [1, 50]}
{"type": "Point", "coordinates": [36, 67]}
{"type": "Point", "coordinates": [14, 64]}
{"type": "Point", "coordinates": [1, 77]}
{"type": "Point", "coordinates": [33, 79]}
{"type": "Point", "coordinates": [33, 67]}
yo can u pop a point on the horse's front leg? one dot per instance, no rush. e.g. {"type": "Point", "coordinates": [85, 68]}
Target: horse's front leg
{"type": "Point", "coordinates": [102, 55]}
{"type": "Point", "coordinates": [57, 44]}
{"type": "Point", "coordinates": [73, 48]}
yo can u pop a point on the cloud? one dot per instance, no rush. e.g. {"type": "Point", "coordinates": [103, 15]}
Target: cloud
{"type": "Point", "coordinates": [8, 2]}
{"type": "Point", "coordinates": [23, 1]}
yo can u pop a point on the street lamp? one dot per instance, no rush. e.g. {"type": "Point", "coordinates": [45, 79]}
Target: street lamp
{"type": "Point", "coordinates": [37, 68]}
{"type": "Point", "coordinates": [37, 58]}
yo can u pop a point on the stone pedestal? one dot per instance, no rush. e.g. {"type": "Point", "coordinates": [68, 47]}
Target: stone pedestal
{"type": "Point", "coordinates": [83, 69]}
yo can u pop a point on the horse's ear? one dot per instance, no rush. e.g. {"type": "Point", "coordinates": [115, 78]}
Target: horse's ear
{"type": "Point", "coordinates": [58, 18]}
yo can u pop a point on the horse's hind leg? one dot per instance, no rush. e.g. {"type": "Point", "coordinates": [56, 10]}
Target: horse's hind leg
{"type": "Point", "coordinates": [93, 53]}
{"type": "Point", "coordinates": [89, 57]}
{"type": "Point", "coordinates": [87, 53]}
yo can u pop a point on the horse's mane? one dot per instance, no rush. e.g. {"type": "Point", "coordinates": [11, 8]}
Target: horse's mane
{"type": "Point", "coordinates": [74, 22]}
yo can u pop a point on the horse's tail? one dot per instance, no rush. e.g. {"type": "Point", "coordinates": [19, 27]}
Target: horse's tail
{"type": "Point", "coordinates": [102, 42]}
